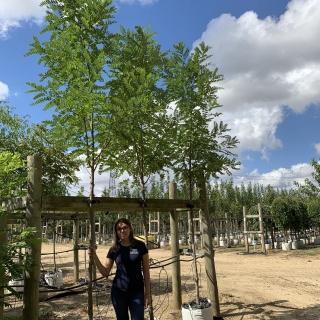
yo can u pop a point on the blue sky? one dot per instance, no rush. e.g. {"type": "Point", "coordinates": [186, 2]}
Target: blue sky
{"type": "Point", "coordinates": [267, 50]}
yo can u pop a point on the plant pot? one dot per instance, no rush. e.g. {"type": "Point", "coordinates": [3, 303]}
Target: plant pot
{"type": "Point", "coordinates": [276, 245]}
{"type": "Point", "coordinates": [286, 246]}
{"type": "Point", "coordinates": [294, 244]}
{"type": "Point", "coordinates": [222, 243]}
{"type": "Point", "coordinates": [54, 279]}
{"type": "Point", "coordinates": [190, 312]}
{"type": "Point", "coordinates": [316, 240]}
{"type": "Point", "coordinates": [17, 284]}
{"type": "Point", "coordinates": [163, 243]}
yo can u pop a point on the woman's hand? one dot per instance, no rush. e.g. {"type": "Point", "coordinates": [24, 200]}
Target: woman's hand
{"type": "Point", "coordinates": [147, 301]}
{"type": "Point", "coordinates": [92, 251]}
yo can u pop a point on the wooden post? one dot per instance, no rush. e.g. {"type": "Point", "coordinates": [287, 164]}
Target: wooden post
{"type": "Point", "coordinates": [227, 229]}
{"type": "Point", "coordinates": [75, 250]}
{"type": "Point", "coordinates": [33, 219]}
{"type": "Point", "coordinates": [61, 230]}
{"type": "Point", "coordinates": [176, 273]}
{"type": "Point", "coordinates": [246, 243]}
{"type": "Point", "coordinates": [158, 229]}
{"type": "Point", "coordinates": [263, 243]}
{"type": "Point", "coordinates": [99, 231]}
{"type": "Point", "coordinates": [3, 241]}
{"type": "Point", "coordinates": [209, 253]}
{"type": "Point", "coordinates": [190, 241]}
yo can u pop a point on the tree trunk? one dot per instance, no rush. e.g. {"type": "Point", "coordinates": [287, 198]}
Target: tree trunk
{"type": "Point", "coordinates": [208, 252]}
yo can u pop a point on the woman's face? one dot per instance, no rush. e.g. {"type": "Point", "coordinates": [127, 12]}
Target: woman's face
{"type": "Point", "coordinates": [123, 230]}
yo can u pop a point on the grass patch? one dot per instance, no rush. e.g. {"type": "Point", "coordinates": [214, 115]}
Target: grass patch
{"type": "Point", "coordinates": [307, 251]}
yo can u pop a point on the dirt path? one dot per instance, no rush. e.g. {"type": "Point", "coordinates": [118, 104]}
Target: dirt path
{"type": "Point", "coordinates": [282, 285]}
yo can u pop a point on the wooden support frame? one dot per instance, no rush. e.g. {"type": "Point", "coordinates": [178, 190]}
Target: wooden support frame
{"type": "Point", "coordinates": [261, 231]}
{"type": "Point", "coordinates": [75, 208]}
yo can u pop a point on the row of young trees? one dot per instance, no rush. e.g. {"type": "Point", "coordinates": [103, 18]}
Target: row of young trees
{"type": "Point", "coordinates": [296, 209]}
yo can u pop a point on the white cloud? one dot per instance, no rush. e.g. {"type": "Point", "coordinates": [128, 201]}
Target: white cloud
{"type": "Point", "coordinates": [4, 91]}
{"type": "Point", "coordinates": [101, 182]}
{"type": "Point", "coordinates": [267, 64]}
{"type": "Point", "coordinates": [317, 147]}
{"type": "Point", "coordinates": [279, 178]}
{"type": "Point", "coordinates": [255, 128]}
{"type": "Point", "coordinates": [12, 13]}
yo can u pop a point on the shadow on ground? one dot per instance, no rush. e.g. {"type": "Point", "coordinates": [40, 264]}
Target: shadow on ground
{"type": "Point", "coordinates": [275, 310]}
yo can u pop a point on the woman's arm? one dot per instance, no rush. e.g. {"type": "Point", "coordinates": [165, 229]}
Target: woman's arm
{"type": "Point", "coordinates": [104, 269]}
{"type": "Point", "coordinates": [146, 276]}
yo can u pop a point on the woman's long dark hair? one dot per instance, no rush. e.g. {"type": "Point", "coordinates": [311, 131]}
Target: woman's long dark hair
{"type": "Point", "coordinates": [116, 238]}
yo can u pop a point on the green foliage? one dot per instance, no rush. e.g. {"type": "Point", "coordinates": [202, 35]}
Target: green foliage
{"type": "Point", "coordinates": [76, 59]}
{"type": "Point", "coordinates": [13, 129]}
{"type": "Point", "coordinates": [290, 213]}
{"type": "Point", "coordinates": [313, 208]}
{"type": "Point", "coordinates": [254, 224]}
{"type": "Point", "coordinates": [142, 137]}
{"type": "Point", "coordinates": [197, 149]}
{"type": "Point", "coordinates": [19, 137]}
{"type": "Point", "coordinates": [15, 249]}
{"type": "Point", "coordinates": [309, 188]}
{"type": "Point", "coordinates": [11, 174]}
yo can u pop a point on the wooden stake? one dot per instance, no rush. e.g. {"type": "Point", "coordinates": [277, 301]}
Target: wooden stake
{"type": "Point", "coordinates": [176, 272]}
{"type": "Point", "coordinates": [33, 219]}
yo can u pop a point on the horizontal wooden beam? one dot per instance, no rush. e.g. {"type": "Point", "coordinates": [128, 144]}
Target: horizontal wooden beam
{"type": "Point", "coordinates": [257, 216]}
{"type": "Point", "coordinates": [14, 204]}
{"type": "Point", "coordinates": [108, 204]}
{"type": "Point", "coordinates": [81, 204]}
{"type": "Point", "coordinates": [253, 232]}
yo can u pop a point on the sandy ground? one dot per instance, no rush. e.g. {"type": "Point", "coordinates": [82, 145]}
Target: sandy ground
{"type": "Point", "coordinates": [282, 285]}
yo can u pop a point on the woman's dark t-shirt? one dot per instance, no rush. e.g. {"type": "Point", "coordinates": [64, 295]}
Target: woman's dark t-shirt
{"type": "Point", "coordinates": [129, 261]}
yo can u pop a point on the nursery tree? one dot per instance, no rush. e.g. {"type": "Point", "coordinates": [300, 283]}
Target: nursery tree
{"type": "Point", "coordinates": [136, 72]}
{"type": "Point", "coordinates": [142, 140]}
{"type": "Point", "coordinates": [198, 151]}
{"type": "Point", "coordinates": [313, 208]}
{"type": "Point", "coordinates": [290, 213]}
{"type": "Point", "coordinates": [74, 84]}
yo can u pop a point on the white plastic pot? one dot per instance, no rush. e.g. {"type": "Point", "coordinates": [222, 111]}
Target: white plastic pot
{"type": "Point", "coordinates": [286, 246]}
{"type": "Point", "coordinates": [54, 279]}
{"type": "Point", "coordinates": [163, 243]}
{"type": "Point", "coordinates": [197, 314]}
{"type": "Point", "coordinates": [294, 244]}
{"type": "Point", "coordinates": [222, 243]}
{"type": "Point", "coordinates": [19, 283]}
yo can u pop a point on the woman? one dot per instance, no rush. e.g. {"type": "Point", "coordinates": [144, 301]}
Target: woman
{"type": "Point", "coordinates": [130, 290]}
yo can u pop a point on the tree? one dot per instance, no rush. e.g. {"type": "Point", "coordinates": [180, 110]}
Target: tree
{"type": "Point", "coordinates": [313, 208]}
{"type": "Point", "coordinates": [290, 214]}
{"type": "Point", "coordinates": [76, 59]}
{"type": "Point", "coordinates": [309, 188]}
{"type": "Point", "coordinates": [199, 152]}
{"type": "Point", "coordinates": [19, 137]}
{"type": "Point", "coordinates": [142, 140]}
